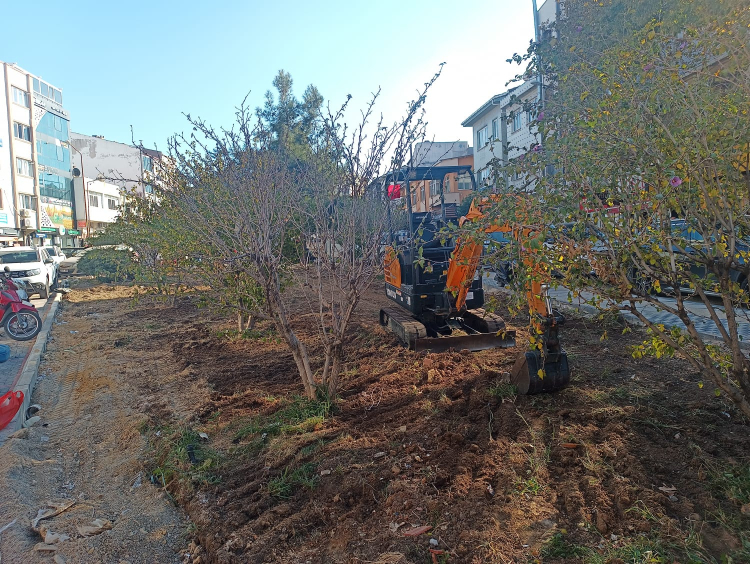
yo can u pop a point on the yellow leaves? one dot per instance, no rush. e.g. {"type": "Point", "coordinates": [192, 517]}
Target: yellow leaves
{"type": "Point", "coordinates": [657, 286]}
{"type": "Point", "coordinates": [585, 95]}
{"type": "Point", "coordinates": [540, 373]}
{"type": "Point", "coordinates": [651, 35]}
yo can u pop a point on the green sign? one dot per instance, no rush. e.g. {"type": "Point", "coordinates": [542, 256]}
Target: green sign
{"type": "Point", "coordinates": [73, 232]}
{"type": "Point", "coordinates": [47, 230]}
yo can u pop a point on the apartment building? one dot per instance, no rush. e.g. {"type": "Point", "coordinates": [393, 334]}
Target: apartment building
{"type": "Point", "coordinates": [36, 182]}
{"type": "Point", "coordinates": [504, 129]}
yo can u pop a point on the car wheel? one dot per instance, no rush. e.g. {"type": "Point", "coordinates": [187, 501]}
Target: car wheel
{"type": "Point", "coordinates": [44, 294]}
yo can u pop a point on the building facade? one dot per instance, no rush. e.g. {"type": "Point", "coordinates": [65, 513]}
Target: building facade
{"type": "Point", "coordinates": [425, 195]}
{"type": "Point", "coordinates": [101, 201]}
{"type": "Point", "coordinates": [427, 153]}
{"type": "Point", "coordinates": [36, 181]}
{"type": "Point", "coordinates": [133, 169]}
{"type": "Point", "coordinates": [504, 129]}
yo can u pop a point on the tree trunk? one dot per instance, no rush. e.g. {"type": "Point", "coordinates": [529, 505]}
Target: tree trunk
{"type": "Point", "coordinates": [332, 370]}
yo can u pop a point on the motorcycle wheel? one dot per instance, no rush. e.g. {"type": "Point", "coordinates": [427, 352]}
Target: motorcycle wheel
{"type": "Point", "coordinates": [23, 326]}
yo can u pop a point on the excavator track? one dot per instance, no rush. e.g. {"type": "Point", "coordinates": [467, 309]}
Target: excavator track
{"type": "Point", "coordinates": [484, 321]}
{"type": "Point", "coordinates": [404, 326]}
{"type": "Point", "coordinates": [413, 334]}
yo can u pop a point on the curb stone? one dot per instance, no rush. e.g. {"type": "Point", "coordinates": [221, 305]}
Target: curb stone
{"type": "Point", "coordinates": [30, 370]}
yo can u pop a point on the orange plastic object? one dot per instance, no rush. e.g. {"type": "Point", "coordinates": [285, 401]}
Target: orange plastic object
{"type": "Point", "coordinates": [9, 405]}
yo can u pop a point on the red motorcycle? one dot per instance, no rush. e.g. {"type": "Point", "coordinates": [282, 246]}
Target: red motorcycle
{"type": "Point", "coordinates": [18, 316]}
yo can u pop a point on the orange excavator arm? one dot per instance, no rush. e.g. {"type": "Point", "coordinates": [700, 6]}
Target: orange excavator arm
{"type": "Point", "coordinates": [465, 262]}
{"type": "Point", "coordinates": [546, 367]}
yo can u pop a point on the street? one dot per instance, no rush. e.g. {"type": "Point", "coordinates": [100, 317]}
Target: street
{"type": "Point", "coordinates": [19, 351]}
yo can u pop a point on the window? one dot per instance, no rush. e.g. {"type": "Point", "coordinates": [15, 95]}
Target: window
{"type": "Point", "coordinates": [434, 187]}
{"type": "Point", "coordinates": [94, 200]}
{"type": "Point", "coordinates": [148, 189]}
{"type": "Point", "coordinates": [47, 91]}
{"type": "Point", "coordinates": [484, 174]}
{"type": "Point", "coordinates": [24, 167]}
{"type": "Point", "coordinates": [112, 203]}
{"type": "Point", "coordinates": [21, 97]}
{"type": "Point", "coordinates": [464, 182]}
{"type": "Point", "coordinates": [517, 121]}
{"type": "Point", "coordinates": [482, 137]}
{"type": "Point", "coordinates": [147, 163]}
{"type": "Point", "coordinates": [21, 131]}
{"type": "Point", "coordinates": [529, 116]}
{"type": "Point", "coordinates": [28, 202]}
{"type": "Point", "coordinates": [495, 130]}
{"type": "Point", "coordinates": [447, 183]}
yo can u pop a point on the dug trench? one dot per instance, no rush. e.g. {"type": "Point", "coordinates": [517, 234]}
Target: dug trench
{"type": "Point", "coordinates": [634, 462]}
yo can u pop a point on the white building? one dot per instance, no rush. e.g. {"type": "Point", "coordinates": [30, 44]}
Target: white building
{"type": "Point", "coordinates": [36, 188]}
{"type": "Point", "coordinates": [131, 168]}
{"type": "Point", "coordinates": [101, 201]}
{"type": "Point", "coordinates": [506, 120]}
{"type": "Point", "coordinates": [427, 153]}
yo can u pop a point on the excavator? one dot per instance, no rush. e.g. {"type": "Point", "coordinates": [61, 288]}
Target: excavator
{"type": "Point", "coordinates": [435, 281]}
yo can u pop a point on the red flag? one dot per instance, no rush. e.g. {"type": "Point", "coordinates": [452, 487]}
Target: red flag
{"type": "Point", "coordinates": [394, 191]}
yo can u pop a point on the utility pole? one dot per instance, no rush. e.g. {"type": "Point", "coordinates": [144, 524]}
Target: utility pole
{"type": "Point", "coordinates": [537, 41]}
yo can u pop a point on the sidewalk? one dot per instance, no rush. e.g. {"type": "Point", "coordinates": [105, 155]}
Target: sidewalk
{"type": "Point", "coordinates": [10, 370]}
{"type": "Point", "coordinates": [20, 371]}
{"type": "Point", "coordinates": [697, 312]}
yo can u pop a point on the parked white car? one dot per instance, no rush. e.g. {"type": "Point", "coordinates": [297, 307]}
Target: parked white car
{"type": "Point", "coordinates": [55, 254]}
{"type": "Point", "coordinates": [33, 266]}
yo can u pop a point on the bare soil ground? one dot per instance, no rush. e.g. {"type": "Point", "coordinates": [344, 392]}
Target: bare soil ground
{"type": "Point", "coordinates": [634, 462]}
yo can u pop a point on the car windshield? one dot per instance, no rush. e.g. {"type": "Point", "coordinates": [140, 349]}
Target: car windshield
{"type": "Point", "coordinates": [18, 256]}
{"type": "Point", "coordinates": [51, 250]}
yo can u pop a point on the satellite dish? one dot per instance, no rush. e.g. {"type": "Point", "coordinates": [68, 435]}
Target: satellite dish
{"type": "Point", "coordinates": [76, 172]}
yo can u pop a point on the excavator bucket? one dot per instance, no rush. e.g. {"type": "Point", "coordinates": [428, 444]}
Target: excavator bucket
{"type": "Point", "coordinates": [477, 342]}
{"type": "Point", "coordinates": [532, 374]}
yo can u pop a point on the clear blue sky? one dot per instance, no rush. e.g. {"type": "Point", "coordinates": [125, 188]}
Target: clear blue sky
{"type": "Point", "coordinates": [122, 63]}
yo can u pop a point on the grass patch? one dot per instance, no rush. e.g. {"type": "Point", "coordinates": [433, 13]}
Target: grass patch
{"type": "Point", "coordinates": [559, 547]}
{"type": "Point", "coordinates": [503, 390]}
{"type": "Point", "coordinates": [284, 486]}
{"type": "Point", "coordinates": [530, 486]}
{"type": "Point", "coordinates": [639, 550]}
{"type": "Point", "coordinates": [730, 481]}
{"type": "Point", "coordinates": [300, 415]}
{"type": "Point", "coordinates": [179, 454]}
